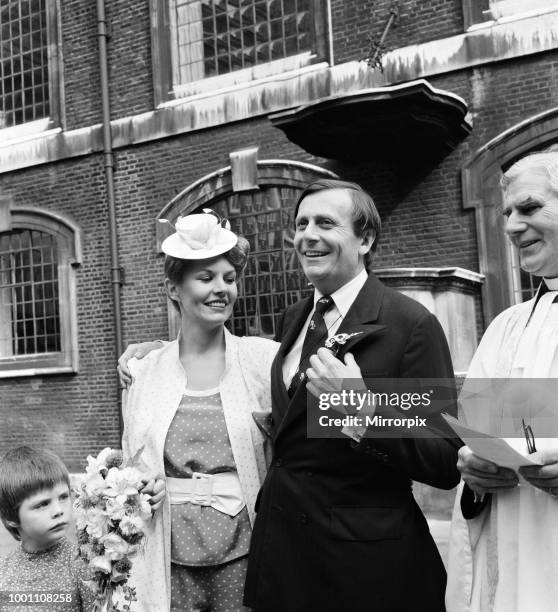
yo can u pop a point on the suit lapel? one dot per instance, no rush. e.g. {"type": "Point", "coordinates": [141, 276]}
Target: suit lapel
{"type": "Point", "coordinates": [366, 307]}
{"type": "Point", "coordinates": [360, 318]}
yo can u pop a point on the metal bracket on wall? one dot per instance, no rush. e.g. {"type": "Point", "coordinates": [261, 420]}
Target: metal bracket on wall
{"type": "Point", "coordinates": [377, 48]}
{"type": "Point", "coordinates": [117, 276]}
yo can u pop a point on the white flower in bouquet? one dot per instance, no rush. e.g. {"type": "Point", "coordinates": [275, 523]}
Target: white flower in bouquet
{"type": "Point", "coordinates": [116, 547]}
{"type": "Point", "coordinates": [115, 510]}
{"type": "Point", "coordinates": [143, 506]}
{"type": "Point", "coordinates": [131, 525]}
{"type": "Point", "coordinates": [111, 514]}
{"type": "Point", "coordinates": [94, 521]}
{"type": "Point", "coordinates": [93, 483]}
{"type": "Point", "coordinates": [122, 483]}
{"type": "Point", "coordinates": [96, 464]}
{"type": "Point", "coordinates": [101, 563]}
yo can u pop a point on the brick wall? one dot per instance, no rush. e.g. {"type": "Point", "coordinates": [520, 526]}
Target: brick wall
{"type": "Point", "coordinates": [424, 223]}
{"type": "Point", "coordinates": [70, 413]}
{"type": "Point", "coordinates": [80, 63]}
{"type": "Point", "coordinates": [354, 21]}
{"type": "Point", "coordinates": [129, 46]}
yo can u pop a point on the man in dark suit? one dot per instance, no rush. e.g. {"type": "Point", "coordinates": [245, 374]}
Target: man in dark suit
{"type": "Point", "coordinates": [337, 527]}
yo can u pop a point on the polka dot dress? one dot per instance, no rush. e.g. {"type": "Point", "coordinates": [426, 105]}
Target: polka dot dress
{"type": "Point", "coordinates": [203, 538]}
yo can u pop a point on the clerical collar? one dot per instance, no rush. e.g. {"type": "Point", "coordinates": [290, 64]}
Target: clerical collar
{"type": "Point", "coordinates": [547, 284]}
{"type": "Point", "coordinates": [551, 283]}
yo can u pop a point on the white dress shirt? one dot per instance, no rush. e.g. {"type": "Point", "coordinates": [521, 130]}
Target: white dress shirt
{"type": "Point", "coordinates": [343, 299]}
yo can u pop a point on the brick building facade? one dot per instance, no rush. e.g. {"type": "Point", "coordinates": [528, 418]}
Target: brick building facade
{"type": "Point", "coordinates": [173, 137]}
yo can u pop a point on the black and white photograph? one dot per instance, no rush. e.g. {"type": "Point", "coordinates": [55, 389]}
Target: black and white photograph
{"type": "Point", "coordinates": [278, 322]}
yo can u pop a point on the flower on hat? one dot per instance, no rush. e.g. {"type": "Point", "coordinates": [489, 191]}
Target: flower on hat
{"type": "Point", "coordinates": [198, 231]}
{"type": "Point", "coordinates": [199, 236]}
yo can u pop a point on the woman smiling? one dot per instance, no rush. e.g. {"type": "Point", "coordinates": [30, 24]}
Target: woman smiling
{"type": "Point", "coordinates": [190, 406]}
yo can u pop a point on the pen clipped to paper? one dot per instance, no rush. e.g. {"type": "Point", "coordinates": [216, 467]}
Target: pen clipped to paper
{"type": "Point", "coordinates": [488, 447]}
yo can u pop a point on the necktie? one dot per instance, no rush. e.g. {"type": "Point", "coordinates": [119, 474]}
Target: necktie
{"type": "Point", "coordinates": [316, 332]}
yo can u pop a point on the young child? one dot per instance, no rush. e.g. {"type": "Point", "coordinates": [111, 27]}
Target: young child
{"type": "Point", "coordinates": [36, 508]}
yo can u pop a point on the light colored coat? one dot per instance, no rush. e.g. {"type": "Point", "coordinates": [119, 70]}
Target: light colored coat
{"type": "Point", "coordinates": [506, 558]}
{"type": "Point", "coordinates": [148, 409]}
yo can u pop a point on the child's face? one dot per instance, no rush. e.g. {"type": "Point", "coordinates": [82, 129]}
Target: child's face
{"type": "Point", "coordinates": [44, 517]}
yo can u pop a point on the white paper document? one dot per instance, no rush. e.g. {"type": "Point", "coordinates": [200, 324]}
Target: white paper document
{"type": "Point", "coordinates": [488, 447]}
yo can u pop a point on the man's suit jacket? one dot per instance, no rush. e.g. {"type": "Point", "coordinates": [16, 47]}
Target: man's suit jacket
{"type": "Point", "coordinates": [337, 528]}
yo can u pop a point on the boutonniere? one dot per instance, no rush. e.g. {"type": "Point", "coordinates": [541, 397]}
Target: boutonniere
{"type": "Point", "coordinates": [335, 343]}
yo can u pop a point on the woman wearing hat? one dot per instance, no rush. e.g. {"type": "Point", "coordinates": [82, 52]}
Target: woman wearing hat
{"type": "Point", "coordinates": [190, 408]}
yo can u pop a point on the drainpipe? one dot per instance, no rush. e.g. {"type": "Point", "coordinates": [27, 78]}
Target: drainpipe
{"type": "Point", "coordinates": [116, 278]}
{"type": "Point", "coordinates": [330, 58]}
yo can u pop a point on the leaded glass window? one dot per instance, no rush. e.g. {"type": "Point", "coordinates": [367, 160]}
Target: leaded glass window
{"type": "Point", "coordinates": [219, 36]}
{"type": "Point", "coordinates": [29, 304]}
{"type": "Point", "coordinates": [39, 254]}
{"type": "Point", "coordinates": [273, 279]}
{"type": "Point", "coordinates": [24, 65]}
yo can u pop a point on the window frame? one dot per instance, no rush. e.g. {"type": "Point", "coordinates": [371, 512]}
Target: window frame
{"type": "Point", "coordinates": [68, 241]}
{"type": "Point", "coordinates": [55, 116]}
{"type": "Point", "coordinates": [162, 58]}
{"type": "Point", "coordinates": [470, 23]}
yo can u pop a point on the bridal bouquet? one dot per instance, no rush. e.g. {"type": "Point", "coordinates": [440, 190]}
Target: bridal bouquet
{"type": "Point", "coordinates": [111, 515]}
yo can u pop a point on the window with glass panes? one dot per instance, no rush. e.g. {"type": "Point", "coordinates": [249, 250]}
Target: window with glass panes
{"type": "Point", "coordinates": [480, 11]}
{"type": "Point", "coordinates": [524, 285]}
{"type": "Point", "coordinates": [24, 78]}
{"type": "Point", "coordinates": [29, 301]}
{"type": "Point", "coordinates": [273, 279]}
{"type": "Point", "coordinates": [215, 37]}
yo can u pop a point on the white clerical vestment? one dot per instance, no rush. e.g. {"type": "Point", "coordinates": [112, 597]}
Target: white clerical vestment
{"type": "Point", "coordinates": [506, 558]}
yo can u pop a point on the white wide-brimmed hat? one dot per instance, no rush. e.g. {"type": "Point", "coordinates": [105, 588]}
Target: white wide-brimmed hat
{"type": "Point", "coordinates": [199, 236]}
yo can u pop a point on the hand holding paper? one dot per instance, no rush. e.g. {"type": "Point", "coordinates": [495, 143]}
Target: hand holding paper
{"type": "Point", "coordinates": [543, 477]}
{"type": "Point", "coordinates": [491, 449]}
{"type": "Point", "coordinates": [484, 476]}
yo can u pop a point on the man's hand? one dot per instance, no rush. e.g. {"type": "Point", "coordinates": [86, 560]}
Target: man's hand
{"type": "Point", "coordinates": [544, 477]}
{"type": "Point", "coordinates": [484, 476]}
{"type": "Point", "coordinates": [157, 489]}
{"type": "Point", "coordinates": [327, 373]}
{"type": "Point", "coordinates": [139, 351]}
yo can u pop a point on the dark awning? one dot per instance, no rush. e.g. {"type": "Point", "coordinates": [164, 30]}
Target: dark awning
{"type": "Point", "coordinates": [396, 122]}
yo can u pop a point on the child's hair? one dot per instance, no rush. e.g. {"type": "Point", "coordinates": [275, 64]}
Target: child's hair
{"type": "Point", "coordinates": [25, 471]}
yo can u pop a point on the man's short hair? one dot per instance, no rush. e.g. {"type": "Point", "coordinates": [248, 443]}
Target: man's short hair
{"type": "Point", "coordinates": [25, 471]}
{"type": "Point", "coordinates": [365, 214]}
{"type": "Point", "coordinates": [547, 161]}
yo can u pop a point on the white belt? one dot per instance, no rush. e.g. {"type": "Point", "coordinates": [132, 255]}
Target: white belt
{"type": "Point", "coordinates": [220, 491]}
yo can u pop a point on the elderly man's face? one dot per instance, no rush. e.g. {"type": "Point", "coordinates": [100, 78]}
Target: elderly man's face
{"type": "Point", "coordinates": [325, 242]}
{"type": "Point", "coordinates": [531, 211]}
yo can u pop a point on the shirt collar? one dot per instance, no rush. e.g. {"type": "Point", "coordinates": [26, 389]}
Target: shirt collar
{"type": "Point", "coordinates": [344, 297]}
{"type": "Point", "coordinates": [547, 284]}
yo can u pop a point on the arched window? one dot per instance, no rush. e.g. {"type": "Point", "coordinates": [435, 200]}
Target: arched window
{"type": "Point", "coordinates": [38, 253]}
{"type": "Point", "coordinates": [272, 279]}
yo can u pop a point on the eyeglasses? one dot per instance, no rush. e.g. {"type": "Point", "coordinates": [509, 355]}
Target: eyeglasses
{"type": "Point", "coordinates": [529, 437]}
